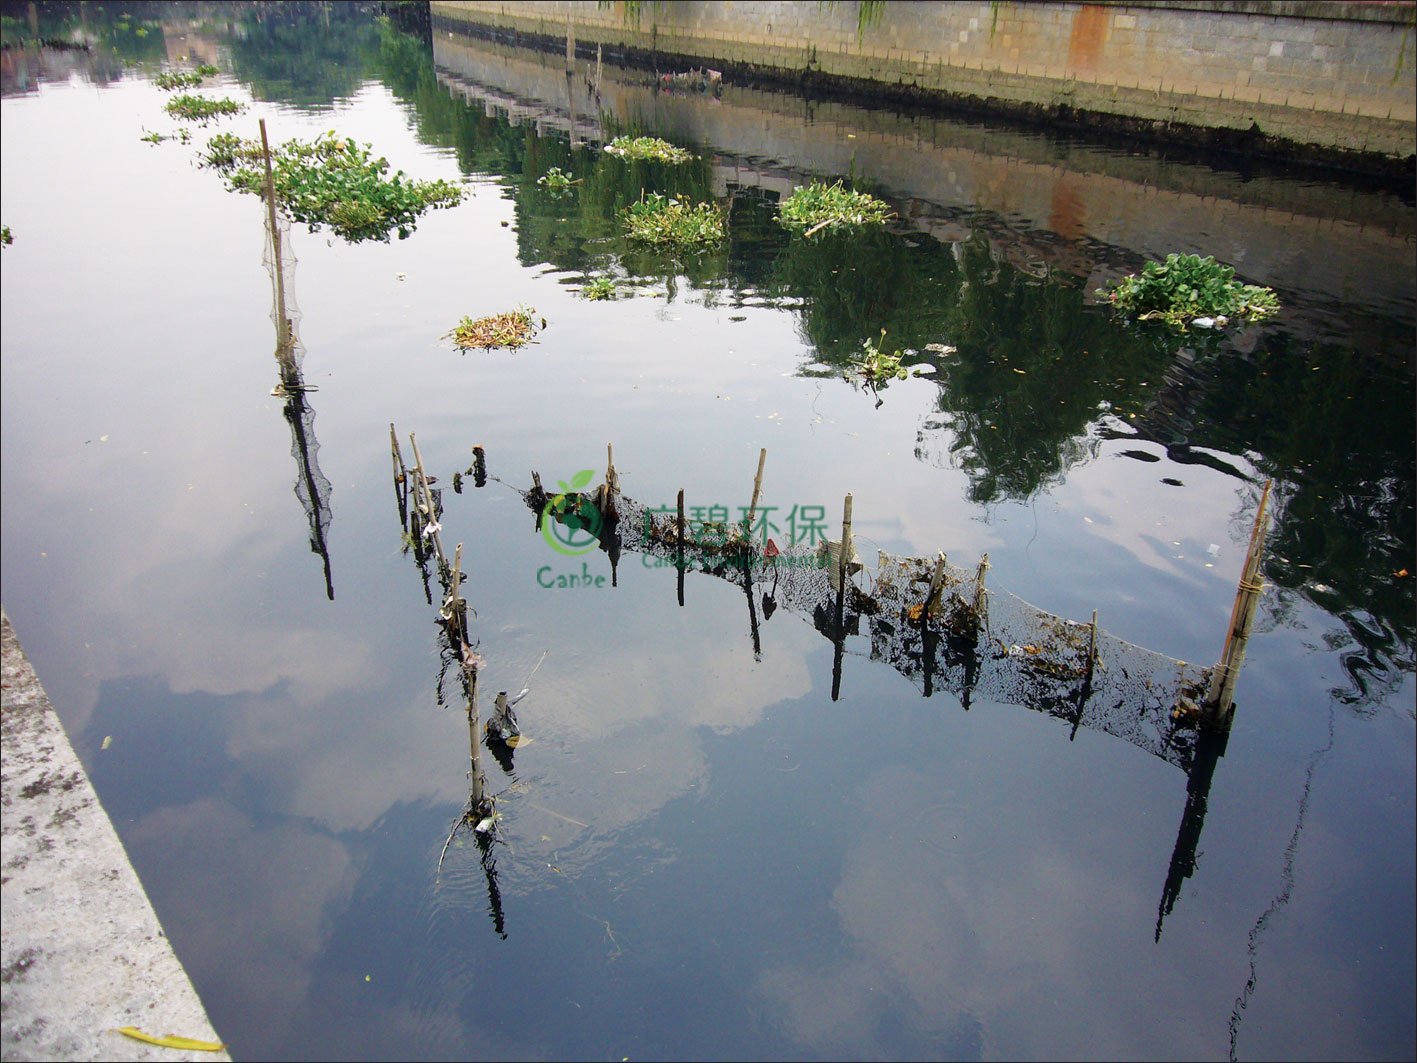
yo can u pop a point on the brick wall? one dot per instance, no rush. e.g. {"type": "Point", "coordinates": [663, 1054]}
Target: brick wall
{"type": "Point", "coordinates": [1339, 76]}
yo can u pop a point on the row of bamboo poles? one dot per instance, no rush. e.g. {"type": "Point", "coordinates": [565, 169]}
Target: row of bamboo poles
{"type": "Point", "coordinates": [1217, 706]}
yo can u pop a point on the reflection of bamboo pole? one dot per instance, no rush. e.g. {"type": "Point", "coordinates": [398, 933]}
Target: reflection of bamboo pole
{"type": "Point", "coordinates": [757, 492]}
{"type": "Point", "coordinates": [1219, 698]}
{"type": "Point", "coordinates": [839, 625]}
{"type": "Point", "coordinates": [679, 539]}
{"type": "Point", "coordinates": [1092, 647]}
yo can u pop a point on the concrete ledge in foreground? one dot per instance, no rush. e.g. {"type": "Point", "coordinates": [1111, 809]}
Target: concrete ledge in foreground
{"type": "Point", "coordinates": [81, 949]}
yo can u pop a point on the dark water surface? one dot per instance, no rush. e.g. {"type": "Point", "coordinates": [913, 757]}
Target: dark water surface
{"type": "Point", "coordinates": [702, 853]}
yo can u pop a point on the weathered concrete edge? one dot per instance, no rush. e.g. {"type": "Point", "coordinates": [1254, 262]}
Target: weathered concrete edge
{"type": "Point", "coordinates": [1360, 144]}
{"type": "Point", "coordinates": [81, 949]}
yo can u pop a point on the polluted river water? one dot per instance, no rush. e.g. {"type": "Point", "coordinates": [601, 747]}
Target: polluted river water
{"type": "Point", "coordinates": [739, 821]}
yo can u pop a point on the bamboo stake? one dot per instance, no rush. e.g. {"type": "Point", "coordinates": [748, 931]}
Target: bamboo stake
{"type": "Point", "coordinates": [428, 501]}
{"type": "Point", "coordinates": [608, 490]}
{"type": "Point", "coordinates": [980, 601]}
{"type": "Point", "coordinates": [1219, 698]}
{"type": "Point", "coordinates": [844, 561]}
{"type": "Point", "coordinates": [937, 584]}
{"type": "Point", "coordinates": [400, 475]}
{"type": "Point", "coordinates": [283, 322]}
{"type": "Point", "coordinates": [455, 602]}
{"type": "Point", "coordinates": [757, 492]}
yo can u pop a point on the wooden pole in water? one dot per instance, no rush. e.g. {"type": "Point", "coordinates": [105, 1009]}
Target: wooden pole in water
{"type": "Point", "coordinates": [757, 492]}
{"type": "Point", "coordinates": [937, 584]}
{"type": "Point", "coordinates": [455, 601]}
{"type": "Point", "coordinates": [400, 476]}
{"type": "Point", "coordinates": [570, 44]}
{"type": "Point", "coordinates": [428, 501]}
{"type": "Point", "coordinates": [1220, 696]}
{"type": "Point", "coordinates": [611, 487]}
{"type": "Point", "coordinates": [979, 599]}
{"type": "Point", "coordinates": [277, 265]}
{"type": "Point", "coordinates": [844, 561]}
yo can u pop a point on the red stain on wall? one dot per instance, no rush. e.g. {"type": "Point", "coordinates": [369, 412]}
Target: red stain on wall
{"type": "Point", "coordinates": [1089, 36]}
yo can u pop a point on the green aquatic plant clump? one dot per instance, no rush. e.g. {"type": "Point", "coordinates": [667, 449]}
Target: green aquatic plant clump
{"type": "Point", "coordinates": [169, 80]}
{"type": "Point", "coordinates": [183, 136]}
{"type": "Point", "coordinates": [669, 222]}
{"type": "Point", "coordinates": [878, 366]}
{"type": "Point", "coordinates": [818, 206]}
{"type": "Point", "coordinates": [648, 148]}
{"type": "Point", "coordinates": [512, 329]}
{"type": "Point", "coordinates": [333, 181]}
{"type": "Point", "coordinates": [598, 288]}
{"type": "Point", "coordinates": [556, 180]}
{"type": "Point", "coordinates": [1188, 290]}
{"type": "Point", "coordinates": [202, 108]}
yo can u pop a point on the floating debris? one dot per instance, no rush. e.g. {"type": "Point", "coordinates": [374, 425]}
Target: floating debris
{"type": "Point", "coordinates": [512, 329]}
{"type": "Point", "coordinates": [696, 80]}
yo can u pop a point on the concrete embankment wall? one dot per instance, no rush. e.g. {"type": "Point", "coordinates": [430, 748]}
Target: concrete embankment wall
{"type": "Point", "coordinates": [1327, 81]}
{"type": "Point", "coordinates": [1075, 208]}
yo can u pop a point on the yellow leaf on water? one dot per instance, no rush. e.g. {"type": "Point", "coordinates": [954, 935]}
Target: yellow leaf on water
{"type": "Point", "coordinates": [171, 1040]}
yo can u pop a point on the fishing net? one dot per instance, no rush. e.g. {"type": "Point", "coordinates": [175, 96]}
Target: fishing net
{"type": "Point", "coordinates": [941, 626]}
{"type": "Point", "coordinates": [312, 487]}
